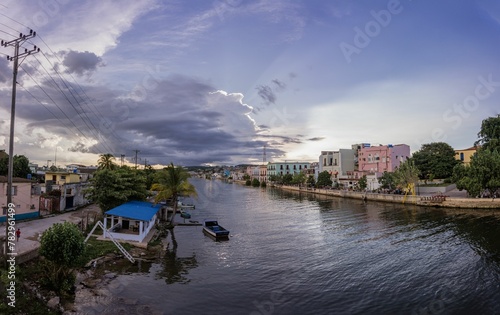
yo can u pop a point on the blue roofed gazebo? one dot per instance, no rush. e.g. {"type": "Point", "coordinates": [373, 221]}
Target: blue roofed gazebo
{"type": "Point", "coordinates": [131, 221]}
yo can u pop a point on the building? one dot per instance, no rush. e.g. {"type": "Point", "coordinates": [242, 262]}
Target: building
{"type": "Point", "coordinates": [382, 158]}
{"type": "Point", "coordinates": [337, 163]}
{"type": "Point", "coordinates": [23, 197]}
{"type": "Point", "coordinates": [283, 168]}
{"type": "Point", "coordinates": [71, 184]}
{"type": "Point", "coordinates": [465, 154]}
{"type": "Point", "coordinates": [356, 147]}
{"type": "Point", "coordinates": [131, 221]}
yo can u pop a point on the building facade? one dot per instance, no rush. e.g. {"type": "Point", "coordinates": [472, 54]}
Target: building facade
{"type": "Point", "coordinates": [23, 197]}
{"type": "Point", "coordinates": [337, 163]}
{"type": "Point", "coordinates": [465, 154]}
{"type": "Point", "coordinates": [382, 158]}
{"type": "Point", "coordinates": [283, 168]}
{"type": "Point", "coordinates": [71, 184]}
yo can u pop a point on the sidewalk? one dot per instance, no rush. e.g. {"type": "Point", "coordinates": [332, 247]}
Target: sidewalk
{"type": "Point", "coordinates": [32, 230]}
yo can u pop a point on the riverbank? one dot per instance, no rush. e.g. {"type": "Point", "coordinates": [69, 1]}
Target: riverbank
{"type": "Point", "coordinates": [427, 201]}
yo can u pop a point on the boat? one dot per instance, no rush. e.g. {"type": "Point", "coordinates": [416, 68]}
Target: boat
{"type": "Point", "coordinates": [182, 205]}
{"type": "Point", "coordinates": [185, 215]}
{"type": "Point", "coordinates": [212, 227]}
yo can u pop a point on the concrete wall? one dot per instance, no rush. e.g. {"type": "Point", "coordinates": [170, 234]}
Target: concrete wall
{"type": "Point", "coordinates": [470, 203]}
{"type": "Point", "coordinates": [434, 190]}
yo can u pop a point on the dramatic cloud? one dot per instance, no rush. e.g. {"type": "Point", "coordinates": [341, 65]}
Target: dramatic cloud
{"type": "Point", "coordinates": [183, 120]}
{"type": "Point", "coordinates": [81, 62]}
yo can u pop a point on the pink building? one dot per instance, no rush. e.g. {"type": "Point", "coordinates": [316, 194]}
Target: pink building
{"type": "Point", "coordinates": [378, 159]}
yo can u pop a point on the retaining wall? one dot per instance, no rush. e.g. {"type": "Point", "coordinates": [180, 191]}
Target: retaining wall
{"type": "Point", "coordinates": [450, 202]}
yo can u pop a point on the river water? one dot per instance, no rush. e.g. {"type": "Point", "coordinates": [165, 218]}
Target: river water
{"type": "Point", "coordinates": [293, 253]}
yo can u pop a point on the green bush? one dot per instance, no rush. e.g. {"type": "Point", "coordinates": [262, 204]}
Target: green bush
{"type": "Point", "coordinates": [248, 182]}
{"type": "Point", "coordinates": [255, 182]}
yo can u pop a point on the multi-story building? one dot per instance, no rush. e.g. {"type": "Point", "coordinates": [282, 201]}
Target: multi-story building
{"type": "Point", "coordinates": [23, 197]}
{"type": "Point", "coordinates": [356, 147]}
{"type": "Point", "coordinates": [337, 163]}
{"type": "Point", "coordinates": [465, 154]}
{"type": "Point", "coordinates": [283, 168]}
{"type": "Point", "coordinates": [378, 159]}
{"type": "Point", "coordinates": [71, 184]}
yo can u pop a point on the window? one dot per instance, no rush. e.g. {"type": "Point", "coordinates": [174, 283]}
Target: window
{"type": "Point", "coordinates": [462, 158]}
{"type": "Point", "coordinates": [68, 191]}
{"type": "Point", "coordinates": [63, 177]}
{"type": "Point", "coordinates": [295, 167]}
{"type": "Point", "coordinates": [14, 191]}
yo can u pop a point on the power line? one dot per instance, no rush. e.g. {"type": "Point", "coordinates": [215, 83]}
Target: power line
{"type": "Point", "coordinates": [14, 43]}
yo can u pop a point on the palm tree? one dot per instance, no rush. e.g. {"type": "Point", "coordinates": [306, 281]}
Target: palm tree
{"type": "Point", "coordinates": [105, 162]}
{"type": "Point", "coordinates": [171, 182]}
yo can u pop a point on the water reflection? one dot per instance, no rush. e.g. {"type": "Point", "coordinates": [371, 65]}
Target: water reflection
{"type": "Point", "coordinates": [174, 269]}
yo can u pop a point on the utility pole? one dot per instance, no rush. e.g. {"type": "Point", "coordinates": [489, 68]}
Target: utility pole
{"type": "Point", "coordinates": [16, 43]}
{"type": "Point", "coordinates": [136, 151]}
{"type": "Point", "coordinates": [122, 157]}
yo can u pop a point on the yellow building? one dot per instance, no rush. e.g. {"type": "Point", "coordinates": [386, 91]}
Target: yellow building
{"type": "Point", "coordinates": [465, 155]}
{"type": "Point", "coordinates": [61, 178]}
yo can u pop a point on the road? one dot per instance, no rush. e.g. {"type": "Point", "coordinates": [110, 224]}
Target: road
{"type": "Point", "coordinates": [32, 230]}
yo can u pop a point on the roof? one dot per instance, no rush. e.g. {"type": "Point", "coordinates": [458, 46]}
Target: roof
{"type": "Point", "coordinates": [136, 210]}
{"type": "Point", "coordinates": [4, 179]}
{"type": "Point", "coordinates": [469, 149]}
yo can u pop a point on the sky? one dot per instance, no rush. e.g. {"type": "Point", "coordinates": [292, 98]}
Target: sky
{"type": "Point", "coordinates": [197, 82]}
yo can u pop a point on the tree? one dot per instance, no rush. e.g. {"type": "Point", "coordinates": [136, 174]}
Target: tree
{"type": "Point", "coordinates": [106, 162]}
{"type": "Point", "coordinates": [149, 175]}
{"type": "Point", "coordinates": [255, 182]}
{"type": "Point", "coordinates": [489, 135]}
{"type": "Point", "coordinates": [62, 245]}
{"type": "Point", "coordinates": [246, 177]}
{"type": "Point", "coordinates": [311, 181]}
{"type": "Point", "coordinates": [20, 166]}
{"type": "Point", "coordinates": [363, 183]}
{"type": "Point", "coordinates": [287, 179]}
{"type": "Point", "coordinates": [324, 179]}
{"type": "Point", "coordinates": [171, 182]}
{"type": "Point", "coordinates": [387, 180]}
{"type": "Point", "coordinates": [406, 175]}
{"type": "Point", "coordinates": [111, 188]}
{"type": "Point", "coordinates": [298, 178]}
{"type": "Point", "coordinates": [435, 160]}
{"type": "Point", "coordinates": [482, 176]}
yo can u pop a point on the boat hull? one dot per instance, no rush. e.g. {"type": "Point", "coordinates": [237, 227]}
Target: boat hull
{"type": "Point", "coordinates": [213, 229]}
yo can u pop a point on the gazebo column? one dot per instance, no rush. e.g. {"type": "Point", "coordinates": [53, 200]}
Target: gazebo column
{"type": "Point", "coordinates": [105, 222]}
{"type": "Point", "coordinates": [141, 227]}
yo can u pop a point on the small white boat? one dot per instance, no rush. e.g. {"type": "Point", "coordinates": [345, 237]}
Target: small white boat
{"type": "Point", "coordinates": [213, 228]}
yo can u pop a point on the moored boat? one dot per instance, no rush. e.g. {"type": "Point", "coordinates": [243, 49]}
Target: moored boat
{"type": "Point", "coordinates": [213, 228]}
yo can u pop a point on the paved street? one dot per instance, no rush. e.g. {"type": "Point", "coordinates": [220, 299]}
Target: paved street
{"type": "Point", "coordinates": [31, 230]}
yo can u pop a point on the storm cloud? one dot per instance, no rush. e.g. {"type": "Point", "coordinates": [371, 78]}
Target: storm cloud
{"type": "Point", "coordinates": [183, 120]}
{"type": "Point", "coordinates": [81, 63]}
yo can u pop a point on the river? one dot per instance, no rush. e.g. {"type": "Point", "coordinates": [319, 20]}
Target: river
{"type": "Point", "coordinates": [293, 253]}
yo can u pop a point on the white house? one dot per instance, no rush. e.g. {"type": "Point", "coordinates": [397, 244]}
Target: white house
{"type": "Point", "coordinates": [131, 221]}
